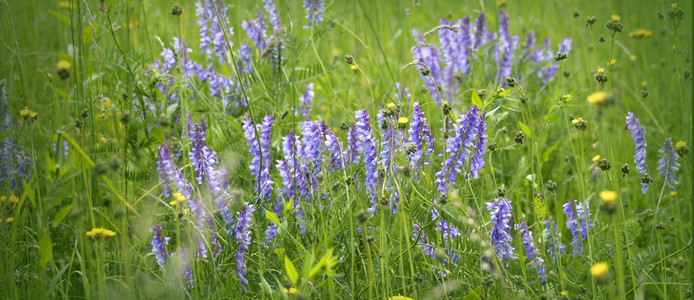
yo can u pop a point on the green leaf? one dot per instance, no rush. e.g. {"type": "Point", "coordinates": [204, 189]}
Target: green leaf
{"type": "Point", "coordinates": [474, 294]}
{"type": "Point", "coordinates": [280, 252]}
{"type": "Point", "coordinates": [272, 217]}
{"type": "Point", "coordinates": [291, 270]}
{"type": "Point", "coordinates": [568, 98]}
{"type": "Point", "coordinates": [476, 99]}
{"type": "Point", "coordinates": [60, 16]}
{"type": "Point", "coordinates": [61, 214]}
{"type": "Point", "coordinates": [171, 109]}
{"type": "Point", "coordinates": [326, 259]}
{"type": "Point", "coordinates": [158, 134]}
{"type": "Point", "coordinates": [45, 248]}
{"type": "Point", "coordinates": [505, 92]}
{"type": "Point", "coordinates": [545, 156]}
{"type": "Point", "coordinates": [540, 209]}
{"type": "Point", "coordinates": [525, 129]}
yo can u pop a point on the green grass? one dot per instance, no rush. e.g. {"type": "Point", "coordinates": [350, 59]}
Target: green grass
{"type": "Point", "coordinates": [46, 253]}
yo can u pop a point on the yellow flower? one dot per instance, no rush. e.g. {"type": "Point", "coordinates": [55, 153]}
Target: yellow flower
{"type": "Point", "coordinates": [25, 112]}
{"type": "Point", "coordinates": [500, 3]}
{"type": "Point", "coordinates": [403, 120]}
{"type": "Point", "coordinates": [640, 32]}
{"type": "Point", "coordinates": [673, 193]}
{"type": "Point", "coordinates": [601, 70]}
{"type": "Point", "coordinates": [2, 199]}
{"type": "Point", "coordinates": [644, 83]}
{"type": "Point", "coordinates": [91, 234]}
{"type": "Point", "coordinates": [400, 297]}
{"type": "Point", "coordinates": [353, 67]}
{"type": "Point", "coordinates": [173, 203]}
{"type": "Point", "coordinates": [179, 197]}
{"type": "Point", "coordinates": [290, 290]}
{"type": "Point", "coordinates": [612, 62]}
{"type": "Point", "coordinates": [185, 211]}
{"type": "Point", "coordinates": [9, 220]}
{"type": "Point", "coordinates": [390, 105]}
{"type": "Point", "coordinates": [681, 144]}
{"type": "Point", "coordinates": [597, 97]}
{"type": "Point", "coordinates": [632, 57]}
{"type": "Point", "coordinates": [596, 158]}
{"type": "Point", "coordinates": [576, 120]}
{"type": "Point", "coordinates": [64, 4]}
{"type": "Point", "coordinates": [33, 114]}
{"type": "Point", "coordinates": [600, 269]}
{"type": "Point", "coordinates": [98, 231]}
{"type": "Point", "coordinates": [565, 293]}
{"type": "Point", "coordinates": [14, 200]}
{"type": "Point", "coordinates": [63, 64]}
{"type": "Point", "coordinates": [615, 18]}
{"type": "Point", "coordinates": [608, 196]}
{"type": "Point", "coordinates": [673, 5]}
{"type": "Point", "coordinates": [108, 233]}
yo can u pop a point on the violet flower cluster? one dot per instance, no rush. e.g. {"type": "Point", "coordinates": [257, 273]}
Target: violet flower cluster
{"type": "Point", "coordinates": [531, 251]}
{"type": "Point", "coordinates": [638, 133]}
{"type": "Point", "coordinates": [578, 221]}
{"type": "Point", "coordinates": [500, 235]}
{"type": "Point", "coordinates": [243, 238]}
{"type": "Point", "coordinates": [668, 165]}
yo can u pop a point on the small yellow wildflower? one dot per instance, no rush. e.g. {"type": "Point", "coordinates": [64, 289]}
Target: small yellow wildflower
{"type": "Point", "coordinates": [64, 4]}
{"type": "Point", "coordinates": [673, 5]}
{"type": "Point", "coordinates": [9, 220]}
{"type": "Point", "coordinates": [91, 234]}
{"type": "Point", "coordinates": [640, 33]}
{"type": "Point", "coordinates": [173, 202]}
{"type": "Point", "coordinates": [681, 144]}
{"type": "Point", "coordinates": [14, 200]}
{"type": "Point", "coordinates": [632, 57]}
{"type": "Point", "coordinates": [390, 105]}
{"type": "Point", "coordinates": [403, 120]}
{"type": "Point", "coordinates": [597, 97]}
{"type": "Point", "coordinates": [108, 233]}
{"type": "Point", "coordinates": [608, 196]}
{"type": "Point", "coordinates": [400, 297]}
{"type": "Point", "coordinates": [500, 3]}
{"type": "Point", "coordinates": [3, 199]}
{"type": "Point", "coordinates": [565, 293]}
{"type": "Point", "coordinates": [63, 64]}
{"type": "Point", "coordinates": [185, 211]}
{"type": "Point", "coordinates": [600, 269]}
{"type": "Point", "coordinates": [179, 197]}
{"type": "Point", "coordinates": [576, 120]}
{"type": "Point", "coordinates": [25, 112]}
{"type": "Point", "coordinates": [612, 62]}
{"type": "Point", "coordinates": [596, 158]}
{"type": "Point", "coordinates": [615, 18]}
{"type": "Point", "coordinates": [33, 114]}
{"type": "Point", "coordinates": [353, 67]}
{"type": "Point", "coordinates": [290, 291]}
{"type": "Point", "coordinates": [644, 83]}
{"type": "Point", "coordinates": [601, 70]}
{"type": "Point", "coordinates": [673, 193]}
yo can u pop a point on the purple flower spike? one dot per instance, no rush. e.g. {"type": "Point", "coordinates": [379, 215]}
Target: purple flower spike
{"type": "Point", "coordinates": [531, 251]}
{"type": "Point", "coordinates": [314, 11]}
{"type": "Point", "coordinates": [551, 244]}
{"type": "Point", "coordinates": [578, 222]}
{"type": "Point", "coordinates": [500, 235]}
{"type": "Point", "coordinates": [204, 159]}
{"type": "Point", "coordinates": [243, 238]}
{"type": "Point", "coordinates": [367, 146]}
{"type": "Point", "coordinates": [668, 165]}
{"type": "Point", "coordinates": [170, 175]}
{"type": "Point", "coordinates": [260, 164]}
{"type": "Point", "coordinates": [638, 133]}
{"type": "Point", "coordinates": [159, 246]}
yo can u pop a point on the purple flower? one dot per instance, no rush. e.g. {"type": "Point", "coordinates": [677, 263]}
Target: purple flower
{"type": "Point", "coordinates": [314, 11]}
{"type": "Point", "coordinates": [334, 148]}
{"type": "Point", "coordinates": [170, 175]}
{"type": "Point", "coordinates": [429, 57]}
{"type": "Point", "coordinates": [465, 44]}
{"type": "Point", "coordinates": [551, 244]}
{"type": "Point", "coordinates": [271, 10]}
{"type": "Point", "coordinates": [504, 51]}
{"type": "Point", "coordinates": [476, 160]}
{"type": "Point", "coordinates": [500, 235]}
{"type": "Point", "coordinates": [458, 149]}
{"type": "Point", "coordinates": [255, 29]}
{"type": "Point", "coordinates": [159, 246]}
{"type": "Point", "coordinates": [531, 251]}
{"type": "Point", "coordinates": [203, 159]}
{"type": "Point", "coordinates": [578, 222]}
{"type": "Point", "coordinates": [352, 145]}
{"type": "Point", "coordinates": [389, 141]}
{"type": "Point", "coordinates": [367, 146]}
{"type": "Point", "coordinates": [197, 210]}
{"type": "Point", "coordinates": [245, 59]}
{"type": "Point", "coordinates": [418, 235]}
{"type": "Point", "coordinates": [260, 163]}
{"type": "Point", "coordinates": [212, 37]}
{"type": "Point", "coordinates": [243, 238]}
{"type": "Point", "coordinates": [306, 99]}
{"type": "Point", "coordinates": [187, 271]}
{"type": "Point", "coordinates": [565, 46]}
{"type": "Point", "coordinates": [419, 133]}
{"type": "Point", "coordinates": [638, 134]}
{"type": "Point", "coordinates": [480, 37]}
{"type": "Point", "coordinates": [668, 165]}
{"type": "Point", "coordinates": [401, 92]}
{"type": "Point", "coordinates": [312, 145]}
{"type": "Point", "coordinates": [169, 60]}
